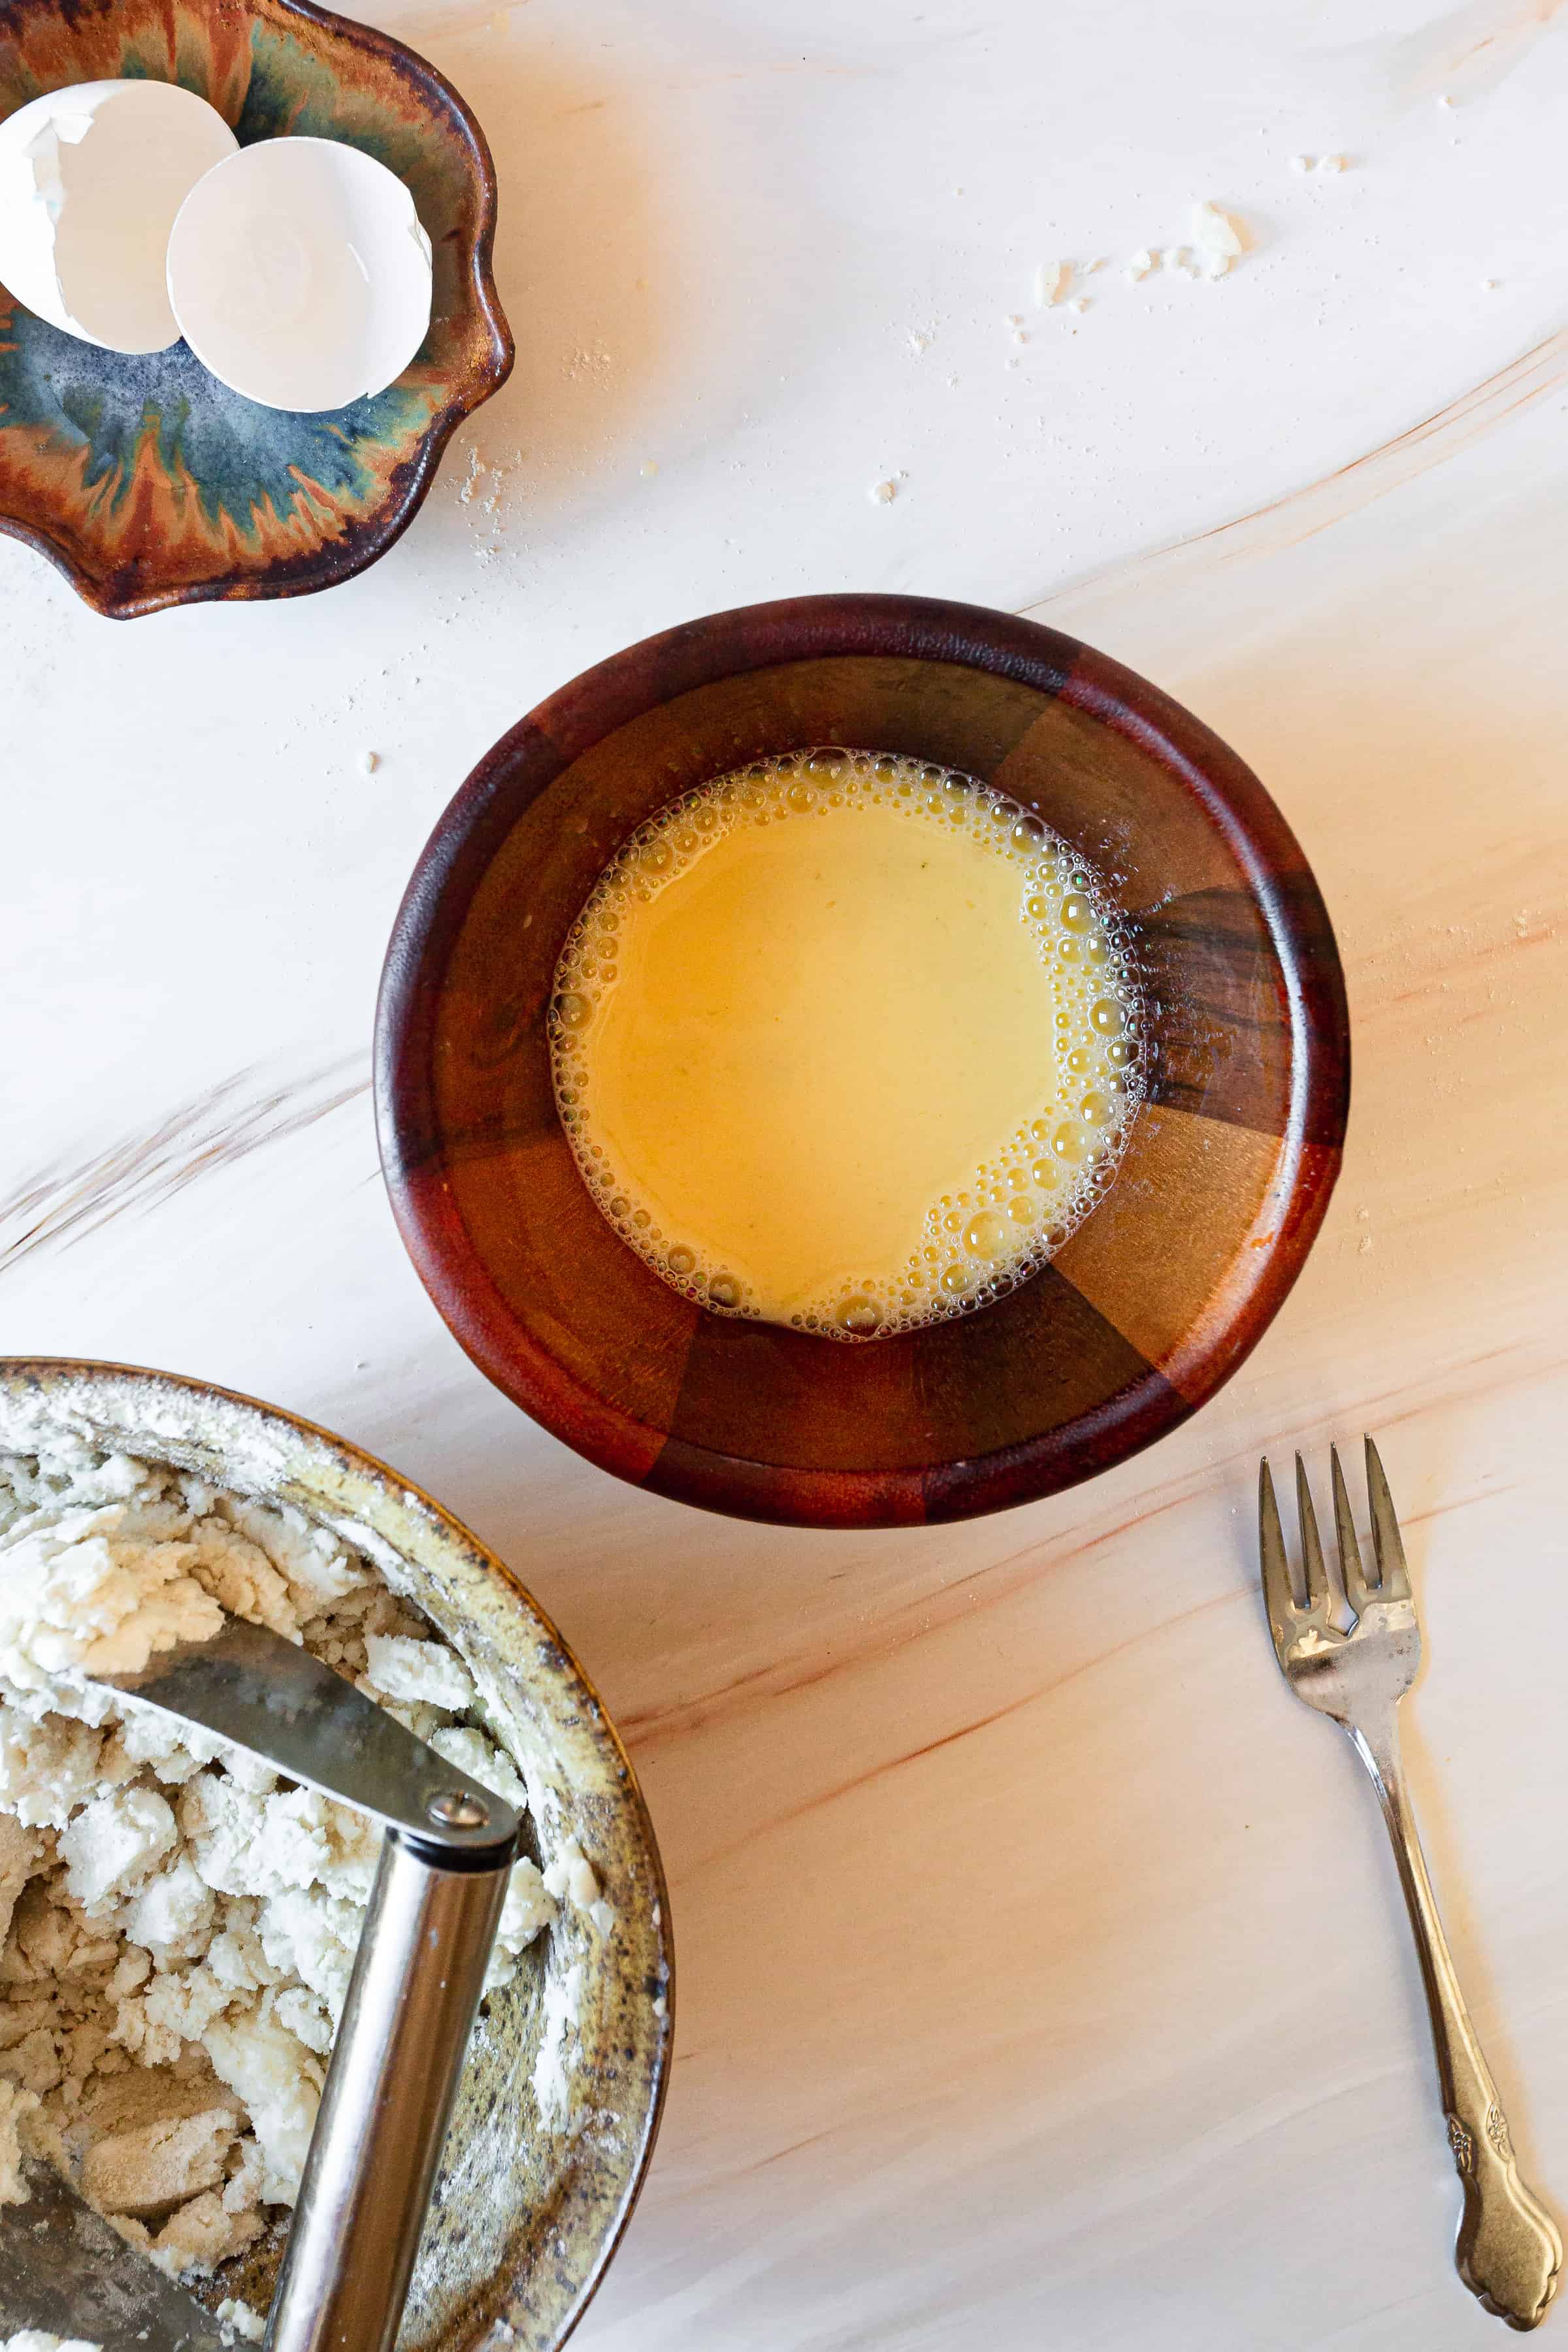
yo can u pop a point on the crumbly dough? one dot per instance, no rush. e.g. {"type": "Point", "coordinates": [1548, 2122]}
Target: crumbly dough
{"type": "Point", "coordinates": [34, 2339]}
{"type": "Point", "coordinates": [242, 2319]}
{"type": "Point", "coordinates": [14, 2104]}
{"type": "Point", "coordinates": [177, 1927]}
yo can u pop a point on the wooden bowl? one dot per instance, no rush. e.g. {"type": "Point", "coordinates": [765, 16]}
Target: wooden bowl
{"type": "Point", "coordinates": [145, 480]}
{"type": "Point", "coordinates": [1158, 1295]}
{"type": "Point", "coordinates": [534, 2193]}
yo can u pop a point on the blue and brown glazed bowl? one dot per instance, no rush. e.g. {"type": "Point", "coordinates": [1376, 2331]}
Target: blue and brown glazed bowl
{"type": "Point", "coordinates": [146, 480]}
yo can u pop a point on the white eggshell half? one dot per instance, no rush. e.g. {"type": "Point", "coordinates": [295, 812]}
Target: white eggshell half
{"type": "Point", "coordinates": [90, 180]}
{"type": "Point", "coordinates": [300, 274]}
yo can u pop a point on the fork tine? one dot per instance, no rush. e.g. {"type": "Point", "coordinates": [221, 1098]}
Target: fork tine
{"type": "Point", "coordinates": [1277, 1598]}
{"type": "Point", "coordinates": [1386, 1540]}
{"type": "Point", "coordinates": [1358, 1592]}
{"type": "Point", "coordinates": [1311, 1550]}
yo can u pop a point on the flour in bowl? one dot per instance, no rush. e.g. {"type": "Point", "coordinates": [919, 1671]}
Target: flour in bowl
{"type": "Point", "coordinates": [34, 2339]}
{"type": "Point", "coordinates": [177, 1926]}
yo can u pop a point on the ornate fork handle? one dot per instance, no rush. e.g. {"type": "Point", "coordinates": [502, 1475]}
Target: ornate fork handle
{"type": "Point", "coordinates": [1508, 2251]}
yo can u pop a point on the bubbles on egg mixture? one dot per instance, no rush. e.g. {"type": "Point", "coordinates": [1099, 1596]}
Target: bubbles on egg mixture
{"type": "Point", "coordinates": [1018, 1207]}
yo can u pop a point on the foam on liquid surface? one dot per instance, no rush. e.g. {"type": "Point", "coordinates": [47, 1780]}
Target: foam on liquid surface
{"type": "Point", "coordinates": [845, 1041]}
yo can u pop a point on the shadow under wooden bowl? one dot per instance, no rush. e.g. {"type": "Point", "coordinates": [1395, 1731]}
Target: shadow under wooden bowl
{"type": "Point", "coordinates": [1155, 1299]}
{"type": "Point", "coordinates": [143, 479]}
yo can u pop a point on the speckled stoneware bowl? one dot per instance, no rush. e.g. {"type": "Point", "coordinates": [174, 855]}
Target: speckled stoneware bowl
{"type": "Point", "coordinates": [530, 2203]}
{"type": "Point", "coordinates": [146, 480]}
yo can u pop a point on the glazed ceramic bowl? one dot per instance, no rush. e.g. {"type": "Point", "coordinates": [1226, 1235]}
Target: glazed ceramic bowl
{"type": "Point", "coordinates": [1160, 1293]}
{"type": "Point", "coordinates": [533, 2191]}
{"type": "Point", "coordinates": [144, 480]}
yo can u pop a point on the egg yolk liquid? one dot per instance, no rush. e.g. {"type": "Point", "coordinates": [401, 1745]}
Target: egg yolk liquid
{"type": "Point", "coordinates": [846, 1042]}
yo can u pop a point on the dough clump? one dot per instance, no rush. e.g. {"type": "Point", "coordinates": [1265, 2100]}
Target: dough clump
{"type": "Point", "coordinates": [177, 1927]}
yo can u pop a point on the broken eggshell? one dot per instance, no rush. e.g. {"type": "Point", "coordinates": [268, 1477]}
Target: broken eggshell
{"type": "Point", "coordinates": [300, 274]}
{"type": "Point", "coordinates": [91, 178]}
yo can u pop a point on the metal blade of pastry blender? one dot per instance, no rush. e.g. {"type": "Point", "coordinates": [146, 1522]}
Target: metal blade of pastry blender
{"type": "Point", "coordinates": [289, 1707]}
{"type": "Point", "coordinates": [417, 1976]}
{"type": "Point", "coordinates": [64, 2269]}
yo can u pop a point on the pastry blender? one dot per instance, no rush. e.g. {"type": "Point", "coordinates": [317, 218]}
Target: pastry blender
{"type": "Point", "coordinates": [415, 1987]}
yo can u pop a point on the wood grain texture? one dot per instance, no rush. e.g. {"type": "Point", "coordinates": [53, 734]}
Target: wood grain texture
{"type": "Point", "coordinates": [1245, 1020]}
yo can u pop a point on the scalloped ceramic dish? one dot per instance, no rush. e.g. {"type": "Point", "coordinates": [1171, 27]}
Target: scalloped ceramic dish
{"type": "Point", "coordinates": [144, 480]}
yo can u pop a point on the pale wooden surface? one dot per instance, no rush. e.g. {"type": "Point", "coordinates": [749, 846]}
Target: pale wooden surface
{"type": "Point", "coordinates": [1042, 1974]}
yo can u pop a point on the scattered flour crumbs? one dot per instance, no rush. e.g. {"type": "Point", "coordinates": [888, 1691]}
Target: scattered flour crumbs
{"type": "Point", "coordinates": [176, 1926]}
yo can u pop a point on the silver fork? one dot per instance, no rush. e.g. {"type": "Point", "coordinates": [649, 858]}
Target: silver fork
{"type": "Point", "coordinates": [1507, 2250]}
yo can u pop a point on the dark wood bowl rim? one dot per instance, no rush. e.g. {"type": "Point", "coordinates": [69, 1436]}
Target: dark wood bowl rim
{"type": "Point", "coordinates": [414, 477]}
{"type": "Point", "coordinates": [533, 754]}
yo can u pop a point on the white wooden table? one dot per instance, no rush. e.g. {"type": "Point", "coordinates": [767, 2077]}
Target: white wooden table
{"type": "Point", "coordinates": [1042, 1978]}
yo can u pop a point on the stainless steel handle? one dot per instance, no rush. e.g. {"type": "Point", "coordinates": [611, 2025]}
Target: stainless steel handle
{"type": "Point", "coordinates": [399, 2052]}
{"type": "Point", "coordinates": [1508, 2251]}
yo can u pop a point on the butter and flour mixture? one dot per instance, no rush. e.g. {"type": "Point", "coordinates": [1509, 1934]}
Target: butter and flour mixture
{"type": "Point", "coordinates": [34, 2339]}
{"type": "Point", "coordinates": [177, 1926]}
